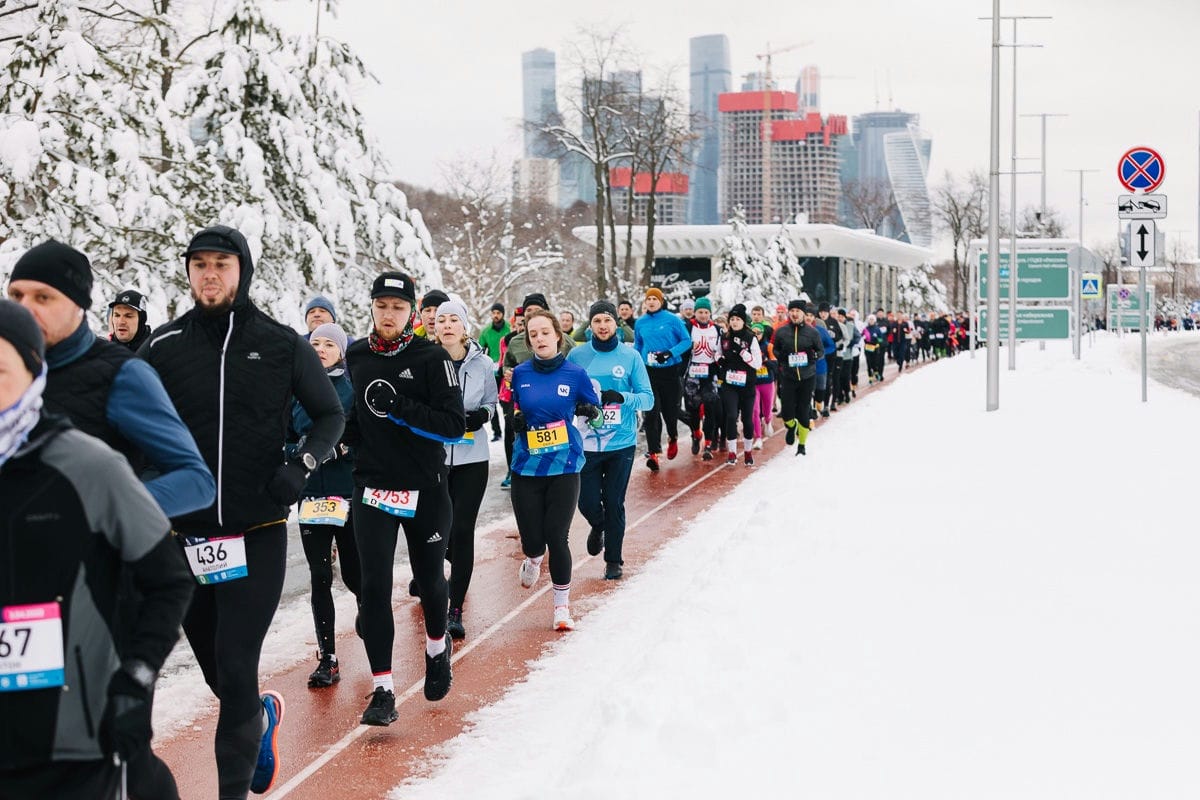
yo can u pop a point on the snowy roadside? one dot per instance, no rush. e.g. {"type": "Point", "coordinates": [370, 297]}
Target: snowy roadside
{"type": "Point", "coordinates": [937, 602]}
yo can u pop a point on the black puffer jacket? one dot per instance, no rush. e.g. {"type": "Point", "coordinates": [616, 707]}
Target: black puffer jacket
{"type": "Point", "coordinates": [232, 377]}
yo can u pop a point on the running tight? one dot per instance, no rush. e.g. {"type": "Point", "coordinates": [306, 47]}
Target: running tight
{"type": "Point", "coordinates": [764, 403]}
{"type": "Point", "coordinates": [466, 484]}
{"type": "Point", "coordinates": [317, 541]}
{"type": "Point", "coordinates": [738, 401]}
{"type": "Point", "coordinates": [544, 507]}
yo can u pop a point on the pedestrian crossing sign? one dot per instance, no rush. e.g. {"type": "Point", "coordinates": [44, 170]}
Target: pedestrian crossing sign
{"type": "Point", "coordinates": [1090, 287]}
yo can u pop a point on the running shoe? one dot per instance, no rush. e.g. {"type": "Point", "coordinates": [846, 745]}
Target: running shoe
{"type": "Point", "coordinates": [497, 437]}
{"type": "Point", "coordinates": [595, 540]}
{"type": "Point", "coordinates": [770, 427]}
{"type": "Point", "coordinates": [326, 674]}
{"type": "Point", "coordinates": [652, 461]}
{"type": "Point", "coordinates": [672, 449]}
{"type": "Point", "coordinates": [413, 589]}
{"type": "Point", "coordinates": [438, 676]}
{"type": "Point", "coordinates": [757, 444]}
{"type": "Point", "coordinates": [790, 436]}
{"type": "Point", "coordinates": [731, 458]}
{"type": "Point", "coordinates": [708, 452]}
{"type": "Point", "coordinates": [528, 572]}
{"type": "Point", "coordinates": [562, 619]}
{"type": "Point", "coordinates": [749, 459]}
{"type": "Point", "coordinates": [612, 571]}
{"type": "Point", "coordinates": [382, 709]}
{"type": "Point", "coordinates": [696, 443]}
{"type": "Point", "coordinates": [507, 482]}
{"type": "Point", "coordinates": [800, 450]}
{"type": "Point", "coordinates": [454, 624]}
{"type": "Point", "coordinates": [268, 749]}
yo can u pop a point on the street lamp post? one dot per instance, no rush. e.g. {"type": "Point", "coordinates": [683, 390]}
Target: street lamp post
{"type": "Point", "coordinates": [1077, 345]}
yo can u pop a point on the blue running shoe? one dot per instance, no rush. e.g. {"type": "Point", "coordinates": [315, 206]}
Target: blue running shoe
{"type": "Point", "coordinates": [268, 750]}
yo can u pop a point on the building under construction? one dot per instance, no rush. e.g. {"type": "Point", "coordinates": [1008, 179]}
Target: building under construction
{"type": "Point", "coordinates": [798, 173]}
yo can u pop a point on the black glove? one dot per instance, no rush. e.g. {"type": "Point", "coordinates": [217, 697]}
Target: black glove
{"type": "Point", "coordinates": [519, 425]}
{"type": "Point", "coordinates": [287, 483]}
{"type": "Point", "coordinates": [611, 397]}
{"type": "Point", "coordinates": [125, 726]}
{"type": "Point", "coordinates": [380, 397]}
{"type": "Point", "coordinates": [340, 451]}
{"type": "Point", "coordinates": [662, 356]}
{"type": "Point", "coordinates": [586, 410]}
{"type": "Point", "coordinates": [477, 419]}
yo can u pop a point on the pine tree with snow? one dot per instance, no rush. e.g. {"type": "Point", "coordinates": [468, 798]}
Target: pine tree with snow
{"type": "Point", "coordinates": [920, 291]}
{"type": "Point", "coordinates": [783, 267]}
{"type": "Point", "coordinates": [744, 273]}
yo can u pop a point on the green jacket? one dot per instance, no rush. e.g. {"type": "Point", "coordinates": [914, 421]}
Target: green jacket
{"type": "Point", "coordinates": [490, 339]}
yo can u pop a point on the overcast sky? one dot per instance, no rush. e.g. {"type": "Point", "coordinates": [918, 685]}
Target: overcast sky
{"type": "Point", "coordinates": [1126, 74]}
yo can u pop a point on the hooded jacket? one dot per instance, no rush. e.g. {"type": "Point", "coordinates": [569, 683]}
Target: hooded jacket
{"type": "Point", "coordinates": [797, 339]}
{"type": "Point", "coordinates": [478, 391]}
{"type": "Point", "coordinates": [232, 377]}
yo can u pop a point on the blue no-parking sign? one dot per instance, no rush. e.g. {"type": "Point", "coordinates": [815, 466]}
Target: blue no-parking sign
{"type": "Point", "coordinates": [1141, 169]}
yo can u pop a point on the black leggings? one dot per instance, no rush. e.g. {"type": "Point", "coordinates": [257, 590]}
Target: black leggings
{"type": "Point", "coordinates": [317, 541]}
{"type": "Point", "coordinates": [467, 483]}
{"type": "Point", "coordinates": [544, 508]}
{"type": "Point", "coordinates": [225, 625]}
{"type": "Point", "coordinates": [665, 383]}
{"type": "Point", "coordinates": [376, 533]}
{"type": "Point", "coordinates": [795, 399]}
{"type": "Point", "coordinates": [699, 393]}
{"type": "Point", "coordinates": [507, 407]}
{"type": "Point", "coordinates": [738, 401]}
{"type": "Point", "coordinates": [875, 361]}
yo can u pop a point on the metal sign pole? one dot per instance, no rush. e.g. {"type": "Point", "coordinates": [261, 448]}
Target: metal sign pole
{"type": "Point", "coordinates": [1142, 302]}
{"type": "Point", "coordinates": [993, 295]}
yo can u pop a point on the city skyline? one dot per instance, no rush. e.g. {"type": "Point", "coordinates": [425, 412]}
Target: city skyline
{"type": "Point", "coordinates": [931, 60]}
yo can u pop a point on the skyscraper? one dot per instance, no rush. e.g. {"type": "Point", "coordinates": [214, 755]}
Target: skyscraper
{"type": "Point", "coordinates": [710, 77]}
{"type": "Point", "coordinates": [892, 151]}
{"type": "Point", "coordinates": [539, 99]}
{"type": "Point", "coordinates": [808, 87]}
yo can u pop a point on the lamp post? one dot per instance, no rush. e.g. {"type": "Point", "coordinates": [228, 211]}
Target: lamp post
{"type": "Point", "coordinates": [1076, 344]}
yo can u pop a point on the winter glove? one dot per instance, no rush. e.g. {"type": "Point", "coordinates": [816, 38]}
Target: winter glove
{"type": "Point", "coordinates": [662, 356]}
{"type": "Point", "coordinates": [125, 727]}
{"type": "Point", "coordinates": [591, 413]}
{"type": "Point", "coordinates": [747, 356]}
{"type": "Point", "coordinates": [519, 425]}
{"type": "Point", "coordinates": [380, 397]}
{"type": "Point", "coordinates": [477, 419]}
{"type": "Point", "coordinates": [287, 483]}
{"type": "Point", "coordinates": [611, 397]}
{"type": "Point", "coordinates": [340, 451]}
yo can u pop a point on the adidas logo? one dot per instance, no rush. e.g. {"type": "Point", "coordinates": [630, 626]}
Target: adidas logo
{"type": "Point", "coordinates": [434, 538]}
{"type": "Point", "coordinates": [406, 374]}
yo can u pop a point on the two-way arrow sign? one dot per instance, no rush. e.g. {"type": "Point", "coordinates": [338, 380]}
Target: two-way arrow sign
{"type": "Point", "coordinates": [1141, 244]}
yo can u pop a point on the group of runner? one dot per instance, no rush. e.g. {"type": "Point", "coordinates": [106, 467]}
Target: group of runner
{"type": "Point", "coordinates": [226, 420]}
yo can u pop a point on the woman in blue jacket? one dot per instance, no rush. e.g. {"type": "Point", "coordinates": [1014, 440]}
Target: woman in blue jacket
{"type": "Point", "coordinates": [549, 393]}
{"type": "Point", "coordinates": [620, 377]}
{"type": "Point", "coordinates": [325, 509]}
{"type": "Point", "coordinates": [662, 340]}
{"type": "Point", "coordinates": [467, 457]}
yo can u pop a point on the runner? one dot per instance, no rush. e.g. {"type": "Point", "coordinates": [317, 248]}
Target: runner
{"type": "Point", "coordinates": [127, 320]}
{"type": "Point", "coordinates": [74, 519]}
{"type": "Point", "coordinates": [324, 515]}
{"type": "Point", "coordinates": [468, 457]}
{"type": "Point", "coordinates": [504, 393]}
{"type": "Point", "coordinates": [662, 340]}
{"type": "Point", "coordinates": [875, 346]}
{"type": "Point", "coordinates": [620, 377]}
{"type": "Point", "coordinates": [798, 348]}
{"type": "Point", "coordinates": [687, 310]}
{"type": "Point", "coordinates": [549, 393]}
{"type": "Point", "coordinates": [319, 311]}
{"type": "Point", "coordinates": [407, 405]}
{"type": "Point", "coordinates": [823, 389]}
{"type": "Point", "coordinates": [232, 372]}
{"type": "Point", "coordinates": [764, 385]}
{"type": "Point", "coordinates": [429, 306]}
{"type": "Point", "coordinates": [703, 405]}
{"type": "Point", "coordinates": [740, 360]}
{"type": "Point", "coordinates": [490, 339]}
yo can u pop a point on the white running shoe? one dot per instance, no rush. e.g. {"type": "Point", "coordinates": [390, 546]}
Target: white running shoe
{"type": "Point", "coordinates": [758, 444]}
{"type": "Point", "coordinates": [770, 427]}
{"type": "Point", "coordinates": [528, 573]}
{"type": "Point", "coordinates": [562, 619]}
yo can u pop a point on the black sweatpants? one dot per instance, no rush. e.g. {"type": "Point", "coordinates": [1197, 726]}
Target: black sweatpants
{"type": "Point", "coordinates": [665, 383]}
{"type": "Point", "coordinates": [466, 484]}
{"type": "Point", "coordinates": [225, 625]}
{"type": "Point", "coordinates": [63, 780]}
{"type": "Point", "coordinates": [376, 533]}
{"type": "Point", "coordinates": [843, 384]}
{"type": "Point", "coordinates": [317, 541]}
{"type": "Point", "coordinates": [875, 360]}
{"type": "Point", "coordinates": [544, 508]}
{"type": "Point", "coordinates": [699, 393]}
{"type": "Point", "coordinates": [738, 401]}
{"type": "Point", "coordinates": [855, 366]}
{"type": "Point", "coordinates": [796, 398]}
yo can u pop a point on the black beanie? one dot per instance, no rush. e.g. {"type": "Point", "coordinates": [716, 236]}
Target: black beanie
{"type": "Point", "coordinates": [434, 298]}
{"type": "Point", "coordinates": [538, 299]}
{"type": "Point", "coordinates": [498, 307]}
{"type": "Point", "coordinates": [133, 299]}
{"type": "Point", "coordinates": [55, 264]}
{"type": "Point", "coordinates": [795, 304]}
{"type": "Point", "coordinates": [20, 329]}
{"type": "Point", "coordinates": [740, 311]}
{"type": "Point", "coordinates": [394, 284]}
{"type": "Point", "coordinates": [602, 307]}
{"type": "Point", "coordinates": [823, 307]}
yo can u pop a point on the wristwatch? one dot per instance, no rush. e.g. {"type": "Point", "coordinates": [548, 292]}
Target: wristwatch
{"type": "Point", "coordinates": [309, 461]}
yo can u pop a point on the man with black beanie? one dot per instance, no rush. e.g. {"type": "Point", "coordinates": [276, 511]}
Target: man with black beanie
{"type": "Point", "coordinates": [797, 347]}
{"type": "Point", "coordinates": [429, 306]}
{"type": "Point", "coordinates": [74, 522]}
{"type": "Point", "coordinates": [127, 319]}
{"type": "Point", "coordinates": [232, 372]}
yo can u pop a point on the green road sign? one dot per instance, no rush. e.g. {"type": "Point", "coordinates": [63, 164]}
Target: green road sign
{"type": "Point", "coordinates": [1124, 310]}
{"type": "Point", "coordinates": [1042, 275]}
{"type": "Point", "coordinates": [1033, 322]}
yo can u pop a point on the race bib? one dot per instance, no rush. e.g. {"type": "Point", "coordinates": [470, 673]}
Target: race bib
{"type": "Point", "coordinates": [548, 439]}
{"type": "Point", "coordinates": [31, 647]}
{"type": "Point", "coordinates": [939, 336]}
{"type": "Point", "coordinates": [651, 360]}
{"type": "Point", "coordinates": [871, 348]}
{"type": "Point", "coordinates": [325, 511]}
{"type": "Point", "coordinates": [467, 438]}
{"type": "Point", "coordinates": [698, 370]}
{"type": "Point", "coordinates": [612, 416]}
{"type": "Point", "coordinates": [398, 503]}
{"type": "Point", "coordinates": [761, 372]}
{"type": "Point", "coordinates": [216, 560]}
{"type": "Point", "coordinates": [798, 360]}
{"type": "Point", "coordinates": [735, 377]}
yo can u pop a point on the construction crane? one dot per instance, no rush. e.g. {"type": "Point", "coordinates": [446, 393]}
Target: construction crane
{"type": "Point", "coordinates": [768, 81]}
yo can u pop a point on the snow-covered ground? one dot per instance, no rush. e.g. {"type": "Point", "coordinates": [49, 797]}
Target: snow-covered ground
{"type": "Point", "coordinates": [937, 602]}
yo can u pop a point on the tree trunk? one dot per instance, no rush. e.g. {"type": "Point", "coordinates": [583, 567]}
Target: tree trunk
{"type": "Point", "coordinates": [651, 205]}
{"type": "Point", "coordinates": [628, 268]}
{"type": "Point", "coordinates": [601, 272]}
{"type": "Point", "coordinates": [956, 281]}
{"type": "Point", "coordinates": [612, 229]}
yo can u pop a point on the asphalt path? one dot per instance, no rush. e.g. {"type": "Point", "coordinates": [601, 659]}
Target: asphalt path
{"type": "Point", "coordinates": [1174, 360]}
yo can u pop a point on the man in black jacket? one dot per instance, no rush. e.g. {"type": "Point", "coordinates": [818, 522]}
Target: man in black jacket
{"type": "Point", "coordinates": [797, 348]}
{"type": "Point", "coordinates": [73, 519]}
{"type": "Point", "coordinates": [127, 319]}
{"type": "Point", "coordinates": [232, 372]}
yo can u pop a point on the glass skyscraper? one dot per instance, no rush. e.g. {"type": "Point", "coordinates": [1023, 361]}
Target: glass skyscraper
{"type": "Point", "coordinates": [710, 76]}
{"type": "Point", "coordinates": [539, 98]}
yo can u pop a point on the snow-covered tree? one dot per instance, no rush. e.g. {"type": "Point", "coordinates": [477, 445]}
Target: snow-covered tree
{"type": "Point", "coordinates": [744, 273]}
{"type": "Point", "coordinates": [919, 290]}
{"type": "Point", "coordinates": [783, 268]}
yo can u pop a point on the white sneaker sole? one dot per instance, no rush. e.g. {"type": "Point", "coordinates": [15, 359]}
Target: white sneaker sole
{"type": "Point", "coordinates": [527, 573]}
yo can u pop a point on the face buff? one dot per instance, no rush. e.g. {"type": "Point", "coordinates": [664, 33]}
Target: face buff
{"type": "Point", "coordinates": [385, 347]}
{"type": "Point", "coordinates": [18, 420]}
